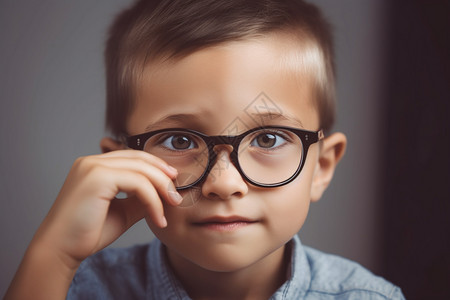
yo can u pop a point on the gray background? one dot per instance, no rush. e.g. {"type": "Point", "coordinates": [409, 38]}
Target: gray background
{"type": "Point", "coordinates": [52, 111]}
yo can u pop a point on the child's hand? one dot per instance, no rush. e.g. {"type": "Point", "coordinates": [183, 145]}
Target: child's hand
{"type": "Point", "coordinates": [86, 217]}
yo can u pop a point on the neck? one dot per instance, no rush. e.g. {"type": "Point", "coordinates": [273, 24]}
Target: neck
{"type": "Point", "coordinates": [258, 281]}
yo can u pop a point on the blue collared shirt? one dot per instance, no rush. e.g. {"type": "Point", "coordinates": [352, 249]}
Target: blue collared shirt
{"type": "Point", "coordinates": [141, 272]}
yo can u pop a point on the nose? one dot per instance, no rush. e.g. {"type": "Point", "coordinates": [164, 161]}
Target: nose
{"type": "Point", "coordinates": [224, 180]}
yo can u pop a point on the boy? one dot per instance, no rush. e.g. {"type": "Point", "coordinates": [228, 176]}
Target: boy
{"type": "Point", "coordinates": [227, 103]}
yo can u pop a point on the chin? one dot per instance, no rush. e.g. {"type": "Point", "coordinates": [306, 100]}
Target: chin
{"type": "Point", "coordinates": [226, 258]}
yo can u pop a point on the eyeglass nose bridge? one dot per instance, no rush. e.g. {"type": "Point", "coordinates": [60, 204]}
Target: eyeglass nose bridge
{"type": "Point", "coordinates": [217, 140]}
{"type": "Point", "coordinates": [214, 143]}
{"type": "Point", "coordinates": [211, 143]}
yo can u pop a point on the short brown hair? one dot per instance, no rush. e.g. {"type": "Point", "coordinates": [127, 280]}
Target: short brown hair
{"type": "Point", "coordinates": [170, 29]}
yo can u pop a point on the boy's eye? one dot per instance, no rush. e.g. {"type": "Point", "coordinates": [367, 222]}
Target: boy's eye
{"type": "Point", "coordinates": [268, 140]}
{"type": "Point", "coordinates": [178, 142]}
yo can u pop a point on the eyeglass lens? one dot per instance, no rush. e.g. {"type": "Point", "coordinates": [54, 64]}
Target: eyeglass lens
{"type": "Point", "coordinates": [266, 156]}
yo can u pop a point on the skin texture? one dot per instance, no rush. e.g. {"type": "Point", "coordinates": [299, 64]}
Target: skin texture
{"type": "Point", "coordinates": [235, 235]}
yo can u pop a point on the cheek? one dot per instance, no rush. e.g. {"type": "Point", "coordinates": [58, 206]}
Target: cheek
{"type": "Point", "coordinates": [293, 210]}
{"type": "Point", "coordinates": [288, 207]}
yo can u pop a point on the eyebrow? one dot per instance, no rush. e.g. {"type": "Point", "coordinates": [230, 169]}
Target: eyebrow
{"type": "Point", "coordinates": [262, 119]}
{"type": "Point", "coordinates": [177, 120]}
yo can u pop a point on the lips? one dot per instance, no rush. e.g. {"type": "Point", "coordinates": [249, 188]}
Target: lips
{"type": "Point", "coordinates": [224, 223]}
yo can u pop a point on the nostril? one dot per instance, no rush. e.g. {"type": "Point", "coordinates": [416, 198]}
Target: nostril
{"type": "Point", "coordinates": [223, 195]}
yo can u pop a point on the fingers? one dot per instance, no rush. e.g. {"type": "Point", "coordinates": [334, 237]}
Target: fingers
{"type": "Point", "coordinates": [159, 178]}
{"type": "Point", "coordinates": [139, 185]}
{"type": "Point", "coordinates": [136, 173]}
{"type": "Point", "coordinates": [86, 217]}
{"type": "Point", "coordinates": [151, 159]}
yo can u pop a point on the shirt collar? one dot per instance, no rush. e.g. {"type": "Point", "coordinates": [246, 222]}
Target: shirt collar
{"type": "Point", "coordinates": [299, 276]}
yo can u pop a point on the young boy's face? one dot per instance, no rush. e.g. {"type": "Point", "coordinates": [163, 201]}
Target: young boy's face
{"type": "Point", "coordinates": [217, 91]}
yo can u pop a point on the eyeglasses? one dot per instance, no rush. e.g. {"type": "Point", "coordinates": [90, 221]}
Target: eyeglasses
{"type": "Point", "coordinates": [268, 156]}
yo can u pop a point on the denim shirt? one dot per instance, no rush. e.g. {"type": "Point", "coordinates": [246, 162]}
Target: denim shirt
{"type": "Point", "coordinates": [141, 272]}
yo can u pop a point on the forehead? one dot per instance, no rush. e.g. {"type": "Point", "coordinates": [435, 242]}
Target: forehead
{"type": "Point", "coordinates": [246, 83]}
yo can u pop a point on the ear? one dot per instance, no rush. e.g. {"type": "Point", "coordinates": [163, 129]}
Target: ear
{"type": "Point", "coordinates": [331, 150]}
{"type": "Point", "coordinates": [108, 144]}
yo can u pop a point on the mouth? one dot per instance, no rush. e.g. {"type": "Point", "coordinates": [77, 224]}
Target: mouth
{"type": "Point", "coordinates": [221, 223]}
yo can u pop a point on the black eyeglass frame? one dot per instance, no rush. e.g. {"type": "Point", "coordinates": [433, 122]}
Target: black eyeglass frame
{"type": "Point", "coordinates": [307, 138]}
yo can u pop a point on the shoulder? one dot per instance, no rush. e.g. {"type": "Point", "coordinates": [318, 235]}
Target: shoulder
{"type": "Point", "coordinates": [336, 276]}
{"type": "Point", "coordinates": [116, 257]}
{"type": "Point", "coordinates": [111, 273]}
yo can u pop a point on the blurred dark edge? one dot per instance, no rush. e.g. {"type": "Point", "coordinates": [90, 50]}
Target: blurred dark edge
{"type": "Point", "coordinates": [416, 174]}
